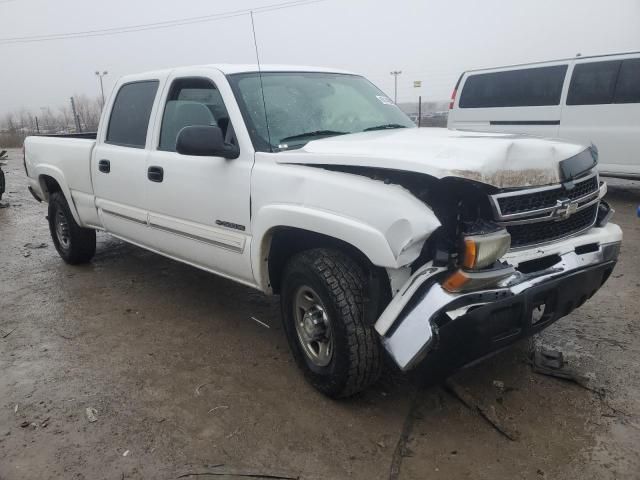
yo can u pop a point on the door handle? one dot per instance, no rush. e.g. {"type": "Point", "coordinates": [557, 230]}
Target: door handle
{"type": "Point", "coordinates": [104, 166]}
{"type": "Point", "coordinates": [155, 174]}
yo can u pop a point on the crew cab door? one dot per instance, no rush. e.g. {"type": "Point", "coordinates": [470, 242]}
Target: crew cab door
{"type": "Point", "coordinates": [199, 206]}
{"type": "Point", "coordinates": [118, 166]}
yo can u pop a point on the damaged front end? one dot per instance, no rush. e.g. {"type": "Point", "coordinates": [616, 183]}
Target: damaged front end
{"type": "Point", "coordinates": [485, 281]}
{"type": "Point", "coordinates": [425, 317]}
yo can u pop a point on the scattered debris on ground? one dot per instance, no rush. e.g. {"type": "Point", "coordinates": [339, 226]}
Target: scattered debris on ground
{"type": "Point", "coordinates": [269, 476]}
{"type": "Point", "coordinates": [551, 363]}
{"type": "Point", "coordinates": [492, 414]}
{"type": "Point", "coordinates": [260, 322]}
{"type": "Point", "coordinates": [34, 246]}
{"type": "Point", "coordinates": [6, 334]}
{"type": "Point", "coordinates": [197, 390]}
{"type": "Point", "coordinates": [92, 414]}
{"type": "Point", "coordinates": [224, 407]}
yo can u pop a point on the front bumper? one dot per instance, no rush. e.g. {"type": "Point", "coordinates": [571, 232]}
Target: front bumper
{"type": "Point", "coordinates": [457, 328]}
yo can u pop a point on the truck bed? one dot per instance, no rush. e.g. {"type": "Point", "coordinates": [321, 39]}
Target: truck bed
{"type": "Point", "coordinates": [88, 135]}
{"type": "Point", "coordinates": [67, 160]}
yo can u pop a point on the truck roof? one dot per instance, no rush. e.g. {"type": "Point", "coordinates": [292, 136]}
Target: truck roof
{"type": "Point", "coordinates": [231, 68]}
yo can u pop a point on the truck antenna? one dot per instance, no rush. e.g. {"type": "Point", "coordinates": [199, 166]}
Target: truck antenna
{"type": "Point", "coordinates": [264, 103]}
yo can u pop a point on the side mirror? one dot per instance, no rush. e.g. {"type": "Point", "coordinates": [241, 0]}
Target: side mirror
{"type": "Point", "coordinates": [205, 141]}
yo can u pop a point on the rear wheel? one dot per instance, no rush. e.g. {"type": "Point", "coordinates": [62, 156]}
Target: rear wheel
{"type": "Point", "coordinates": [74, 243]}
{"type": "Point", "coordinates": [2, 183]}
{"type": "Point", "coordinates": [322, 305]}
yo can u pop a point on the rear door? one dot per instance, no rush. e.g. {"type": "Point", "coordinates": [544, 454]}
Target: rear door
{"type": "Point", "coordinates": [515, 100]}
{"type": "Point", "coordinates": [119, 169]}
{"type": "Point", "coordinates": [199, 206]}
{"type": "Point", "coordinates": [603, 108]}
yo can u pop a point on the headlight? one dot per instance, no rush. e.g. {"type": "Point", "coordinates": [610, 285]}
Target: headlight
{"type": "Point", "coordinates": [481, 251]}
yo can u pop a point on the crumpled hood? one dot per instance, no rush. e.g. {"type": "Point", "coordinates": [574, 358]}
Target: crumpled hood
{"type": "Point", "coordinates": [501, 160]}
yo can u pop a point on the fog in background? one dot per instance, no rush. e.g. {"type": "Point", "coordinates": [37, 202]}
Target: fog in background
{"type": "Point", "coordinates": [432, 41]}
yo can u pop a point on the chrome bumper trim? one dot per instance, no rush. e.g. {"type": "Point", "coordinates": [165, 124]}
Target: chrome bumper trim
{"type": "Point", "coordinates": [409, 335]}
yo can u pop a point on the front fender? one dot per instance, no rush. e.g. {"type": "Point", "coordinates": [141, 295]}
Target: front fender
{"type": "Point", "coordinates": [398, 245]}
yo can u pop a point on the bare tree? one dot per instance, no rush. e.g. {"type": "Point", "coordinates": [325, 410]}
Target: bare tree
{"type": "Point", "coordinates": [15, 126]}
{"type": "Point", "coordinates": [66, 119]}
{"type": "Point", "coordinates": [89, 112]}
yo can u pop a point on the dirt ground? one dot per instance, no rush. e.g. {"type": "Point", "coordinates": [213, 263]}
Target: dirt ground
{"type": "Point", "coordinates": [183, 381]}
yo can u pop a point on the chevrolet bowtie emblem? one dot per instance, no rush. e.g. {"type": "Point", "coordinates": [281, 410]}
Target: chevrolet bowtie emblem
{"type": "Point", "coordinates": [564, 209]}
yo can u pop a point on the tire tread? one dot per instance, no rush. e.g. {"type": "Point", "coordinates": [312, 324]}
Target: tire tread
{"type": "Point", "coordinates": [346, 283]}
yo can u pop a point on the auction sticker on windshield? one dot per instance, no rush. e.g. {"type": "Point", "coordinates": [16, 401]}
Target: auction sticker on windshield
{"type": "Point", "coordinates": [385, 100]}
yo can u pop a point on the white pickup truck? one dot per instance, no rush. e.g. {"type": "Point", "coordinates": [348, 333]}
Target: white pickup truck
{"type": "Point", "coordinates": [431, 246]}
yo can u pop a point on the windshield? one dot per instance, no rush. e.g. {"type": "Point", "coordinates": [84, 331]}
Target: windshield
{"type": "Point", "coordinates": [305, 106]}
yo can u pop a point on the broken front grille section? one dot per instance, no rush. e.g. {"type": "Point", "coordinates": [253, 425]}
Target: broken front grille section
{"type": "Point", "coordinates": [545, 214]}
{"type": "Point", "coordinates": [546, 198]}
{"type": "Point", "coordinates": [542, 232]}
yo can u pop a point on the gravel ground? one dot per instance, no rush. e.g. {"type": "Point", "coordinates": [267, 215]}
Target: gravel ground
{"type": "Point", "coordinates": [182, 381]}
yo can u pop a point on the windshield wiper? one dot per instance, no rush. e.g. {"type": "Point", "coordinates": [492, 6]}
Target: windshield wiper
{"type": "Point", "coordinates": [316, 133]}
{"type": "Point", "coordinates": [384, 127]}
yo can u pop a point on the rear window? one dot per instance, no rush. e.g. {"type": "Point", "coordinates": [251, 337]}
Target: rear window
{"type": "Point", "coordinates": [628, 86]}
{"type": "Point", "coordinates": [593, 83]}
{"type": "Point", "coordinates": [514, 88]}
{"type": "Point", "coordinates": [130, 114]}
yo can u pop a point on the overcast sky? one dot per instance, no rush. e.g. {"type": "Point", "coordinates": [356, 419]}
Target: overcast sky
{"type": "Point", "coordinates": [429, 40]}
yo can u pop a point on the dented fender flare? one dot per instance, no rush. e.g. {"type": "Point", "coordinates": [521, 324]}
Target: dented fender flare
{"type": "Point", "coordinates": [393, 247]}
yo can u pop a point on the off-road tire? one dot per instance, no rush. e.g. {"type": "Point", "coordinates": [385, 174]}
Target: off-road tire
{"type": "Point", "coordinates": [81, 241]}
{"type": "Point", "coordinates": [341, 285]}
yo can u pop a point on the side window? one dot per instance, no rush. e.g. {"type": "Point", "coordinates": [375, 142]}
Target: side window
{"type": "Point", "coordinates": [130, 114]}
{"type": "Point", "coordinates": [628, 86]}
{"type": "Point", "coordinates": [514, 88]}
{"type": "Point", "coordinates": [593, 83]}
{"type": "Point", "coordinates": [191, 101]}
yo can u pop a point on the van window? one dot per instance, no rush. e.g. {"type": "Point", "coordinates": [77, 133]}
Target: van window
{"type": "Point", "coordinates": [191, 101]}
{"type": "Point", "coordinates": [514, 88]}
{"type": "Point", "coordinates": [593, 83]}
{"type": "Point", "coordinates": [628, 86]}
{"type": "Point", "coordinates": [130, 114]}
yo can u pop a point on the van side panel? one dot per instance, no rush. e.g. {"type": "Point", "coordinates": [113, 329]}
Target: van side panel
{"type": "Point", "coordinates": [606, 113]}
{"type": "Point", "coordinates": [613, 127]}
{"type": "Point", "coordinates": [513, 100]}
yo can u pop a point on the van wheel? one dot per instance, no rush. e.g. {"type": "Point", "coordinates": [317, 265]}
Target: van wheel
{"type": "Point", "coordinates": [322, 307]}
{"type": "Point", "coordinates": [74, 244]}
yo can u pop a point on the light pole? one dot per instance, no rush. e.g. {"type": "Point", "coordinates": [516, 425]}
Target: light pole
{"type": "Point", "coordinates": [100, 75]}
{"type": "Point", "coordinates": [395, 74]}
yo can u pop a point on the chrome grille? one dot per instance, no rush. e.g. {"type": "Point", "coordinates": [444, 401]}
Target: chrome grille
{"type": "Point", "coordinates": [540, 215]}
{"type": "Point", "coordinates": [546, 198]}
{"type": "Point", "coordinates": [542, 232]}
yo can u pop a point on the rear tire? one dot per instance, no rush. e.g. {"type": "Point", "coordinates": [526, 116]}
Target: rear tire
{"type": "Point", "coordinates": [322, 306]}
{"type": "Point", "coordinates": [3, 183]}
{"type": "Point", "coordinates": [74, 244]}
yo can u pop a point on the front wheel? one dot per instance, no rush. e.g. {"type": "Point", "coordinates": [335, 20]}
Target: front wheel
{"type": "Point", "coordinates": [322, 306]}
{"type": "Point", "coordinates": [74, 243]}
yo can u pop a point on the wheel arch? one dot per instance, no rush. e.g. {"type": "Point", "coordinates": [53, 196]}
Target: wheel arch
{"type": "Point", "coordinates": [53, 181]}
{"type": "Point", "coordinates": [281, 243]}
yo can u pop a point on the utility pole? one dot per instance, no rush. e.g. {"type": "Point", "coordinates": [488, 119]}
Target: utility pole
{"type": "Point", "coordinates": [75, 116]}
{"type": "Point", "coordinates": [100, 75]}
{"type": "Point", "coordinates": [418, 84]}
{"type": "Point", "coordinates": [37, 126]}
{"type": "Point", "coordinates": [395, 74]}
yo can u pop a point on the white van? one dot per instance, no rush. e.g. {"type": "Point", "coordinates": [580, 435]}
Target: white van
{"type": "Point", "coordinates": [588, 100]}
